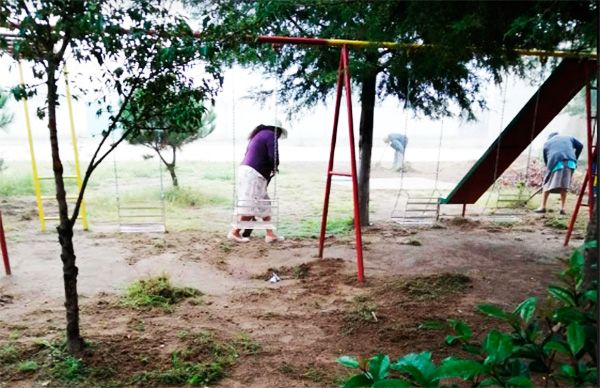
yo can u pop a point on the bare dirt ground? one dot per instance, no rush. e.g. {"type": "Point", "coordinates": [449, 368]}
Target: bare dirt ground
{"type": "Point", "coordinates": [302, 323]}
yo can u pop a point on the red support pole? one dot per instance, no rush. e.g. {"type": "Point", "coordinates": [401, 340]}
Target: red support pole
{"type": "Point", "coordinates": [357, 227]}
{"type": "Point", "coordinates": [343, 72]}
{"type": "Point", "coordinates": [576, 210]}
{"type": "Point", "coordinates": [338, 98]}
{"type": "Point", "coordinates": [3, 248]}
{"type": "Point", "coordinates": [590, 140]}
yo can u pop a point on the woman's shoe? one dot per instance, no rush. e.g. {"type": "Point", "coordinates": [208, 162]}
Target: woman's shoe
{"type": "Point", "coordinates": [540, 210]}
{"type": "Point", "coordinates": [272, 239]}
{"type": "Point", "coordinates": [231, 236]}
{"type": "Point", "coordinates": [563, 213]}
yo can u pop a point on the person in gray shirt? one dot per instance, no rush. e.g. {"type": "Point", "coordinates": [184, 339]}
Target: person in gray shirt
{"type": "Point", "coordinates": [398, 142]}
{"type": "Point", "coordinates": [560, 157]}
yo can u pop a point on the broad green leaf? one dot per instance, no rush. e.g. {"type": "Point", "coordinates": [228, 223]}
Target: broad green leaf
{"type": "Point", "coordinates": [498, 346]}
{"type": "Point", "coordinates": [495, 312]}
{"type": "Point", "coordinates": [562, 294]}
{"type": "Point", "coordinates": [358, 381]}
{"type": "Point", "coordinates": [567, 370]}
{"type": "Point", "coordinates": [419, 366]}
{"type": "Point", "coordinates": [557, 346]}
{"type": "Point", "coordinates": [348, 361]}
{"type": "Point", "coordinates": [590, 244]}
{"type": "Point", "coordinates": [591, 295]}
{"type": "Point", "coordinates": [528, 351]}
{"type": "Point", "coordinates": [488, 382]}
{"type": "Point", "coordinates": [575, 337]}
{"type": "Point", "coordinates": [379, 366]}
{"type": "Point", "coordinates": [433, 325]}
{"type": "Point", "coordinates": [392, 383]}
{"type": "Point", "coordinates": [455, 367]}
{"type": "Point", "coordinates": [568, 314]}
{"type": "Point", "coordinates": [519, 381]}
{"type": "Point", "coordinates": [516, 367]}
{"type": "Point", "coordinates": [451, 339]}
{"type": "Point", "coordinates": [473, 349]}
{"type": "Point", "coordinates": [461, 328]}
{"type": "Point", "coordinates": [577, 259]}
{"type": "Point", "coordinates": [526, 309]}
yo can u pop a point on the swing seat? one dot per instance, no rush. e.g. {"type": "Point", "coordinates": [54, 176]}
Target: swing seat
{"type": "Point", "coordinates": [253, 225]}
{"type": "Point", "coordinates": [142, 228]}
{"type": "Point", "coordinates": [248, 207]}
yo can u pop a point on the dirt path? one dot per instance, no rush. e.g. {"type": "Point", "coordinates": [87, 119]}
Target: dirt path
{"type": "Point", "coordinates": [316, 313]}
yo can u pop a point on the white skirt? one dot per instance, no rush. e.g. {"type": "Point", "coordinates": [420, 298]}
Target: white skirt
{"type": "Point", "coordinates": [252, 197]}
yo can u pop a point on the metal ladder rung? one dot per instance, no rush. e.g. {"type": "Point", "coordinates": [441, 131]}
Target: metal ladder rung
{"type": "Point", "coordinates": [140, 216]}
{"type": "Point", "coordinates": [421, 210]}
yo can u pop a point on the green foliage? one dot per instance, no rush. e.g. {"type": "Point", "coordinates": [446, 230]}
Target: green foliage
{"type": "Point", "coordinates": [189, 197]}
{"type": "Point", "coordinates": [167, 123]}
{"type": "Point", "coordinates": [5, 117]}
{"type": "Point", "coordinates": [558, 344]}
{"type": "Point", "coordinates": [157, 292]}
{"type": "Point", "coordinates": [312, 226]}
{"type": "Point", "coordinates": [28, 366]}
{"type": "Point", "coordinates": [9, 353]}
{"type": "Point", "coordinates": [560, 223]}
{"type": "Point", "coordinates": [456, 37]}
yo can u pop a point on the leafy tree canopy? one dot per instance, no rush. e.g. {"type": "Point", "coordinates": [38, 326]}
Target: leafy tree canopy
{"type": "Point", "coordinates": [458, 37]}
{"type": "Point", "coordinates": [169, 120]}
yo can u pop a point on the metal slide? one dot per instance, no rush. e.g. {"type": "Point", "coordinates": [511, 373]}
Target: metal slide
{"type": "Point", "coordinates": [563, 84]}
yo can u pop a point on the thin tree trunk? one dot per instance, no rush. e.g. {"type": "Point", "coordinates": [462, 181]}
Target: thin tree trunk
{"type": "Point", "coordinates": [170, 166]}
{"type": "Point", "coordinates": [171, 169]}
{"type": "Point", "coordinates": [365, 143]}
{"type": "Point", "coordinates": [65, 228]}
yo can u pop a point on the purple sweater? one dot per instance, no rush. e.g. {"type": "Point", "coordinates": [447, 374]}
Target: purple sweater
{"type": "Point", "coordinates": [260, 154]}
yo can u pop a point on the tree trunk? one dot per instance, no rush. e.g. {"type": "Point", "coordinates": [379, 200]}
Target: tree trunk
{"type": "Point", "coordinates": [365, 143]}
{"type": "Point", "coordinates": [65, 228]}
{"type": "Point", "coordinates": [171, 169]}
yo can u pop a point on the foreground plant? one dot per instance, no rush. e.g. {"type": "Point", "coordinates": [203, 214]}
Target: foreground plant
{"type": "Point", "coordinates": [555, 343]}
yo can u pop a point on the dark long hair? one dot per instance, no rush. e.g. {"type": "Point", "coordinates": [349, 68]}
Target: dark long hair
{"type": "Point", "coordinates": [260, 127]}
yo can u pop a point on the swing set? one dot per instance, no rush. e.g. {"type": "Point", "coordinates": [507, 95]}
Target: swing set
{"type": "Point", "coordinates": [562, 85]}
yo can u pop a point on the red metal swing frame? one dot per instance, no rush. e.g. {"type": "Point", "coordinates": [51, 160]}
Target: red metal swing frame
{"type": "Point", "coordinates": [343, 82]}
{"type": "Point", "coordinates": [3, 248]}
{"type": "Point", "coordinates": [588, 180]}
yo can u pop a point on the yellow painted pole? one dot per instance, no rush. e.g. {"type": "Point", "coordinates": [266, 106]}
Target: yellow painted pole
{"type": "Point", "coordinates": [36, 178]}
{"type": "Point", "coordinates": [75, 151]}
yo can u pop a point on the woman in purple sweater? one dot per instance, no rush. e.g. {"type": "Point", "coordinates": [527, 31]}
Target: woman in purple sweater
{"type": "Point", "coordinates": [258, 167]}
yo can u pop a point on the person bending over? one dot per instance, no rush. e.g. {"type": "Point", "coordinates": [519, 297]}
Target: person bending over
{"type": "Point", "coordinates": [260, 164]}
{"type": "Point", "coordinates": [398, 142]}
{"type": "Point", "coordinates": [560, 157]}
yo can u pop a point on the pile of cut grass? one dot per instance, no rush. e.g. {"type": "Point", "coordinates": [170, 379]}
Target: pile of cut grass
{"type": "Point", "coordinates": [157, 292]}
{"type": "Point", "coordinates": [430, 286]}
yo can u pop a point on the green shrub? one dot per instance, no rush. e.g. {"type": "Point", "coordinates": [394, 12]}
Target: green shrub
{"type": "Point", "coordinates": [556, 345]}
{"type": "Point", "coordinates": [28, 366]}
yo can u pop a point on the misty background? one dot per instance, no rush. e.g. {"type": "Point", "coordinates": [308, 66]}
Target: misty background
{"type": "Point", "coordinates": [309, 131]}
